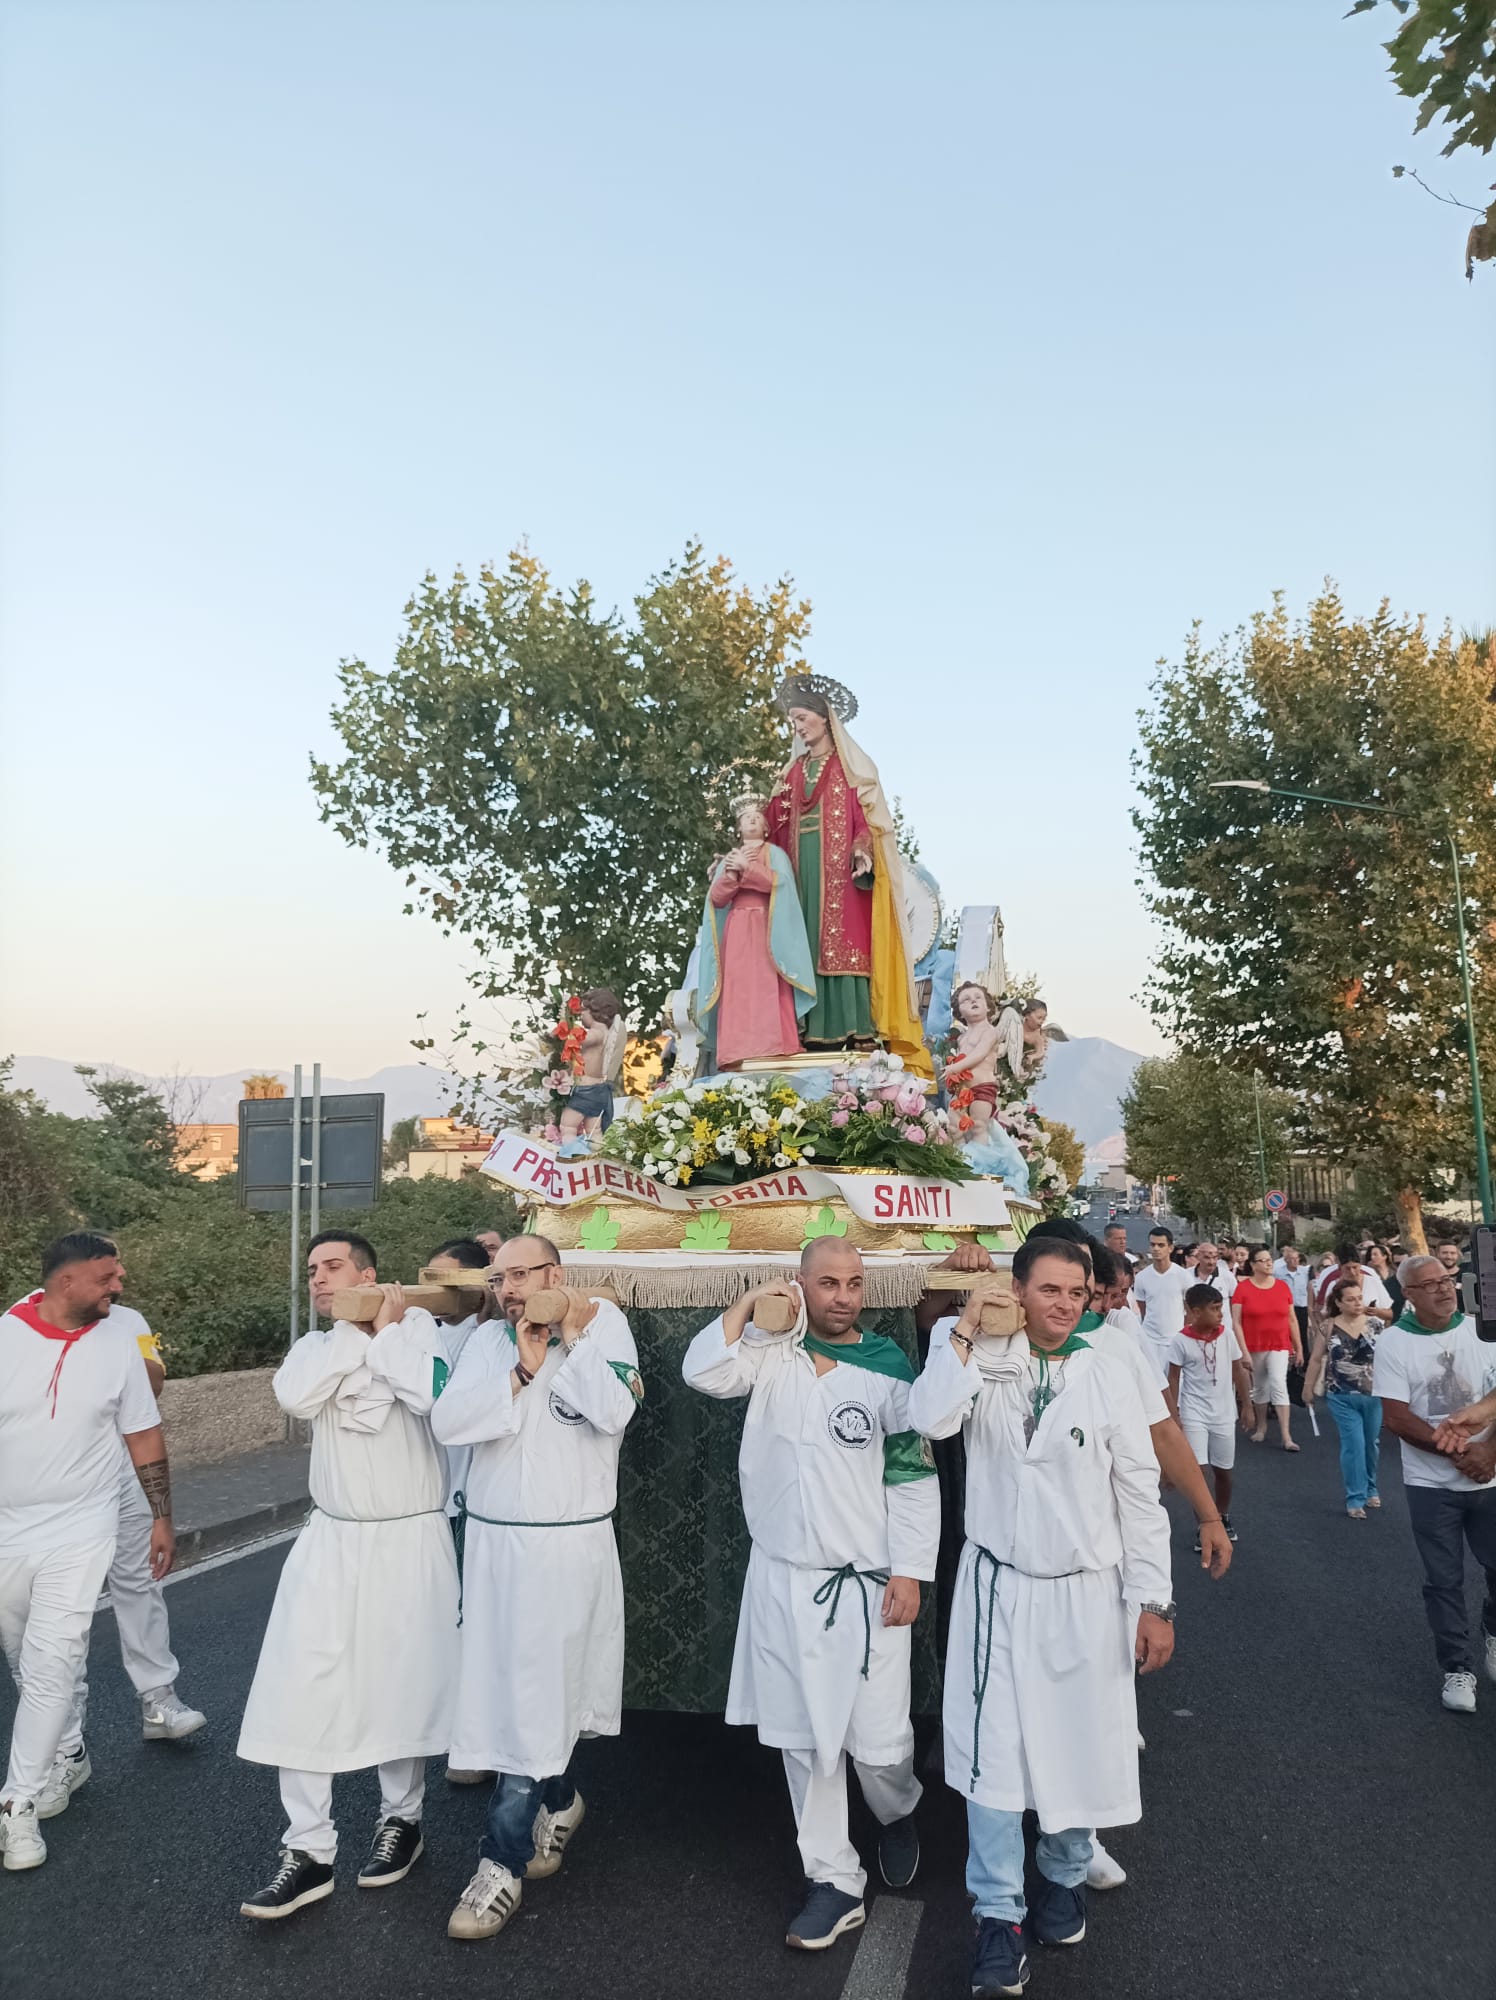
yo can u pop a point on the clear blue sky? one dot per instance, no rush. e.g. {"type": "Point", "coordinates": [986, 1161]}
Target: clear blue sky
{"type": "Point", "coordinates": [1020, 335]}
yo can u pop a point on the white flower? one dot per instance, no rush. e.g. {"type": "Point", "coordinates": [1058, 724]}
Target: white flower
{"type": "Point", "coordinates": [894, 1062]}
{"type": "Point", "coordinates": [740, 1156]}
{"type": "Point", "coordinates": [683, 1153]}
{"type": "Point", "coordinates": [724, 1143]}
{"type": "Point", "coordinates": [695, 1092]}
{"type": "Point", "coordinates": [649, 1164]}
{"type": "Point", "coordinates": [809, 1152]}
{"type": "Point", "coordinates": [787, 1117]}
{"type": "Point", "coordinates": [781, 1159]}
{"type": "Point", "coordinates": [672, 1179]}
{"type": "Point", "coordinates": [760, 1118]}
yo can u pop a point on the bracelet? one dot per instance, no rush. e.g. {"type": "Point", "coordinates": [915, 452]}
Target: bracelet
{"type": "Point", "coordinates": [961, 1340]}
{"type": "Point", "coordinates": [525, 1377]}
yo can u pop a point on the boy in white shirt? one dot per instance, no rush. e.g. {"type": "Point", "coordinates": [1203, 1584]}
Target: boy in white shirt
{"type": "Point", "coordinates": [1210, 1385]}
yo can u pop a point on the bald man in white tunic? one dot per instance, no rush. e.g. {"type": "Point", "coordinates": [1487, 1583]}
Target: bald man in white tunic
{"type": "Point", "coordinates": [844, 1510]}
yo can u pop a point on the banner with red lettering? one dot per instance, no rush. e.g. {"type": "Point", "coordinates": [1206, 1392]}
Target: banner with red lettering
{"type": "Point", "coordinates": [896, 1200]}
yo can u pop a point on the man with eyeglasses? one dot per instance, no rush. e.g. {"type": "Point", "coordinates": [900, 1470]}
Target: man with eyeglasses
{"type": "Point", "coordinates": [540, 1663]}
{"type": "Point", "coordinates": [1430, 1367]}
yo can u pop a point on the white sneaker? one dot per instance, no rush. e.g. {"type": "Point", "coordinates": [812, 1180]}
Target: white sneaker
{"type": "Point", "coordinates": [551, 1833]}
{"type": "Point", "coordinates": [164, 1719]}
{"type": "Point", "coordinates": [486, 1904]}
{"type": "Point", "coordinates": [19, 1837]}
{"type": "Point", "coordinates": [1459, 1692]}
{"type": "Point", "coordinates": [1491, 1656]}
{"type": "Point", "coordinates": [1105, 1871]}
{"type": "Point", "coordinates": [64, 1778]}
{"type": "Point", "coordinates": [1141, 1744]}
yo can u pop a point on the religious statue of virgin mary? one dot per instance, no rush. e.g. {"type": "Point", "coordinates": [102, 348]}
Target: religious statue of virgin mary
{"type": "Point", "coordinates": [830, 817]}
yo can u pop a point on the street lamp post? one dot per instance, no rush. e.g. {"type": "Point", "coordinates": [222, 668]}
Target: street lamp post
{"type": "Point", "coordinates": [1477, 1108]}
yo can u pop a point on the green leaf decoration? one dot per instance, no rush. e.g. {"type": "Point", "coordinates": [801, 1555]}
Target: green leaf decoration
{"type": "Point", "coordinates": [823, 1223]}
{"type": "Point", "coordinates": [935, 1240]}
{"type": "Point", "coordinates": [707, 1232]}
{"type": "Point", "coordinates": [993, 1239]}
{"type": "Point", "coordinates": [599, 1231]}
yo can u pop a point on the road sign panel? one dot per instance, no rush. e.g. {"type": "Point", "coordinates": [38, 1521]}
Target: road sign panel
{"type": "Point", "coordinates": [1277, 1201]}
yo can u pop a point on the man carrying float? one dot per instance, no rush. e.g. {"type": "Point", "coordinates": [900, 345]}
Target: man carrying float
{"type": "Point", "coordinates": [543, 1401]}
{"type": "Point", "coordinates": [844, 1511]}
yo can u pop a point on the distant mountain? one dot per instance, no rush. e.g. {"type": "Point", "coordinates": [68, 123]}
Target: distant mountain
{"type": "Point", "coordinates": [1083, 1084]}
{"type": "Point", "coordinates": [410, 1091]}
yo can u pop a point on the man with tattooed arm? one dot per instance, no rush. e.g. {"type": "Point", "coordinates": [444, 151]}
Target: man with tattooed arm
{"type": "Point", "coordinates": [71, 1386]}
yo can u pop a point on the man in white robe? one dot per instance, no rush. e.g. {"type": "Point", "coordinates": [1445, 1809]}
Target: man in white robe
{"type": "Point", "coordinates": [844, 1510]}
{"type": "Point", "coordinates": [460, 1253]}
{"type": "Point", "coordinates": [359, 1657]}
{"type": "Point", "coordinates": [543, 1409]}
{"type": "Point", "coordinates": [1064, 1533]}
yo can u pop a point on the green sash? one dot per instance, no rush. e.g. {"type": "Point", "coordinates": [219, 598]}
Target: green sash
{"type": "Point", "coordinates": [1088, 1322]}
{"type": "Point", "coordinates": [1411, 1324]}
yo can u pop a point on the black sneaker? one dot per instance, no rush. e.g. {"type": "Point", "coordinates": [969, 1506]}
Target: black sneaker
{"type": "Point", "coordinates": [1058, 1915]}
{"type": "Point", "coordinates": [898, 1852]}
{"type": "Point", "coordinates": [298, 1880]}
{"type": "Point", "coordinates": [827, 1913]}
{"type": "Point", "coordinates": [397, 1848]}
{"type": "Point", "coordinates": [1230, 1531]}
{"type": "Point", "coordinates": [999, 1965]}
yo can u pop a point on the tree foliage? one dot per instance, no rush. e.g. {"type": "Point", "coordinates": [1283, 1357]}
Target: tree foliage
{"type": "Point", "coordinates": [212, 1278]}
{"type": "Point", "coordinates": [1193, 1123]}
{"type": "Point", "coordinates": [1066, 1149]}
{"type": "Point", "coordinates": [1318, 943]}
{"type": "Point", "coordinates": [1443, 57]}
{"type": "Point", "coordinates": [552, 779]}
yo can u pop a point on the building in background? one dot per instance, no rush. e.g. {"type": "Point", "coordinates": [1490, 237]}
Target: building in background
{"type": "Point", "coordinates": [446, 1149]}
{"type": "Point", "coordinates": [208, 1151]}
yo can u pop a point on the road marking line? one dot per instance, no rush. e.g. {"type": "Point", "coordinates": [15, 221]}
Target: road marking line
{"type": "Point", "coordinates": [880, 1969]}
{"type": "Point", "coordinates": [216, 1562]}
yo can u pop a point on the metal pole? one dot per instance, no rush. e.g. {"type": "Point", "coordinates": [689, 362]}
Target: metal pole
{"type": "Point", "coordinates": [1267, 1221]}
{"type": "Point", "coordinates": [316, 1187]}
{"type": "Point", "coordinates": [296, 1271]}
{"type": "Point", "coordinates": [1477, 1109]}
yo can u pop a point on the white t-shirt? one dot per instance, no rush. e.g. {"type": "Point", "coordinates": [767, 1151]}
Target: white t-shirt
{"type": "Point", "coordinates": [1435, 1374]}
{"type": "Point", "coordinates": [1161, 1295]}
{"type": "Point", "coordinates": [1207, 1395]}
{"type": "Point", "coordinates": [1373, 1291]}
{"type": "Point", "coordinates": [1121, 1334]}
{"type": "Point", "coordinates": [64, 1407]}
{"type": "Point", "coordinates": [1222, 1281]}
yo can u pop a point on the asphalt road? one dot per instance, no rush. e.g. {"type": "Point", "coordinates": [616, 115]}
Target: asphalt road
{"type": "Point", "coordinates": [1314, 1825]}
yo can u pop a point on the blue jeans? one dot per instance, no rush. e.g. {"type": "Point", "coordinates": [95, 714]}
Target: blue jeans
{"type": "Point", "coordinates": [509, 1837]}
{"type": "Point", "coordinates": [1358, 1419]}
{"type": "Point", "coordinates": [994, 1860]}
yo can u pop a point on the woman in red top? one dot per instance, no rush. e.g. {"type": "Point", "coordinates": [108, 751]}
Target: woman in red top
{"type": "Point", "coordinates": [1267, 1327]}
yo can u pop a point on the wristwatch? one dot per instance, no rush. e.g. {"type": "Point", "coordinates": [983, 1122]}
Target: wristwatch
{"type": "Point", "coordinates": [1164, 1611]}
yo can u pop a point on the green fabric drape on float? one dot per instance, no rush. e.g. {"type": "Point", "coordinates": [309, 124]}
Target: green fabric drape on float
{"type": "Point", "coordinates": [681, 1536]}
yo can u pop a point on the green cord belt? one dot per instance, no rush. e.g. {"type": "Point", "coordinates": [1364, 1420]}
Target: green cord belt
{"type": "Point", "coordinates": [830, 1593]}
{"type": "Point", "coordinates": [466, 1514]}
{"type": "Point", "coordinates": [981, 1657]}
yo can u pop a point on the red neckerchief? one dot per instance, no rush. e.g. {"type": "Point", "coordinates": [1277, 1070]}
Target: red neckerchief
{"type": "Point", "coordinates": [1201, 1337]}
{"type": "Point", "coordinates": [26, 1310]}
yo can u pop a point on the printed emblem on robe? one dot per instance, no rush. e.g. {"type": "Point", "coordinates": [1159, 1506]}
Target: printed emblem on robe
{"type": "Point", "coordinates": [851, 1424]}
{"type": "Point", "coordinates": [563, 1412]}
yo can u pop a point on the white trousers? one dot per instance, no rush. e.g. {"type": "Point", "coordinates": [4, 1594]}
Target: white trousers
{"type": "Point", "coordinates": [138, 1603]}
{"type": "Point", "coordinates": [1270, 1377]}
{"type": "Point", "coordinates": [47, 1600]}
{"type": "Point", "coordinates": [307, 1798]}
{"type": "Point", "coordinates": [820, 1803]}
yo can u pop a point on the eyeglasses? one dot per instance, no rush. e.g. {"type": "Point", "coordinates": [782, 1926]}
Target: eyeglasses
{"type": "Point", "coordinates": [498, 1279]}
{"type": "Point", "coordinates": [1431, 1284]}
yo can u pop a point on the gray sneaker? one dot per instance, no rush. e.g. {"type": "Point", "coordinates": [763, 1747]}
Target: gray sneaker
{"type": "Point", "coordinates": [64, 1778]}
{"type": "Point", "coordinates": [164, 1719]}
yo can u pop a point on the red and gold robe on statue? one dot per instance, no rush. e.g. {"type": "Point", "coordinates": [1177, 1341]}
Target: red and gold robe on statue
{"type": "Point", "coordinates": [816, 816]}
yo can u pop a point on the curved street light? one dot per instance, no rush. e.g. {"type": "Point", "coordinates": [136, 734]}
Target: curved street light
{"type": "Point", "coordinates": [1477, 1109]}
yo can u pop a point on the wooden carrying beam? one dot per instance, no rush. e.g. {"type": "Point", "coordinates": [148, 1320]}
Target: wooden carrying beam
{"type": "Point", "coordinates": [1001, 1312]}
{"type": "Point", "coordinates": [462, 1294]}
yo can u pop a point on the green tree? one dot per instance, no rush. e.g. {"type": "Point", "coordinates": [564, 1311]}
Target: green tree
{"type": "Point", "coordinates": [551, 779]}
{"type": "Point", "coordinates": [1066, 1149]}
{"type": "Point", "coordinates": [1316, 943]}
{"type": "Point", "coordinates": [404, 1137]}
{"type": "Point", "coordinates": [1194, 1124]}
{"type": "Point", "coordinates": [1443, 57]}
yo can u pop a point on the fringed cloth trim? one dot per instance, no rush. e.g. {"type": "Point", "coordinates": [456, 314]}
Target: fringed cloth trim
{"type": "Point", "coordinates": [720, 1281]}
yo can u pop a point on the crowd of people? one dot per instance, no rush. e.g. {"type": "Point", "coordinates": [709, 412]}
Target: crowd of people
{"type": "Point", "coordinates": [456, 1591]}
